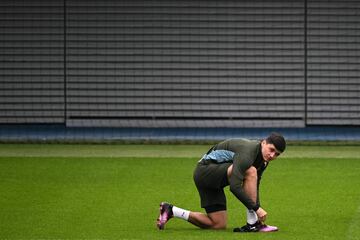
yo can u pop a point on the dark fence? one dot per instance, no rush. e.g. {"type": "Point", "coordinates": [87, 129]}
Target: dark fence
{"type": "Point", "coordinates": [180, 63]}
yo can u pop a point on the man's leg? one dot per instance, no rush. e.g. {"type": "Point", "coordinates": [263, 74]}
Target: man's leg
{"type": "Point", "coordinates": [250, 187]}
{"type": "Point", "coordinates": [210, 180]}
{"type": "Point", "coordinates": [250, 183]}
{"type": "Point", "coordinates": [213, 220]}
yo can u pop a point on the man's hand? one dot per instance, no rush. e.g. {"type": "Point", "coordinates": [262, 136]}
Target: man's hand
{"type": "Point", "coordinates": [261, 213]}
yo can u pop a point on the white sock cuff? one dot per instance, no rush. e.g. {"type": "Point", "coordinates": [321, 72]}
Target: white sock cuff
{"type": "Point", "coordinates": [181, 213]}
{"type": "Point", "coordinates": [251, 216]}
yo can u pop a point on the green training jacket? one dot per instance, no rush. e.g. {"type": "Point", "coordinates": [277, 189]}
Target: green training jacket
{"type": "Point", "coordinates": [243, 154]}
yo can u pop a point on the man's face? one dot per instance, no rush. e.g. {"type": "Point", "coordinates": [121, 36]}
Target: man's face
{"type": "Point", "coordinates": [269, 152]}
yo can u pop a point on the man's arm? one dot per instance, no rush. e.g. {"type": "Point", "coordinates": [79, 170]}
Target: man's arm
{"type": "Point", "coordinates": [258, 191]}
{"type": "Point", "coordinates": [259, 176]}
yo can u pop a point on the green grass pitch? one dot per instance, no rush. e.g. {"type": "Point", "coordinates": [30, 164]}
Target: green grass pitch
{"type": "Point", "coordinates": [113, 192]}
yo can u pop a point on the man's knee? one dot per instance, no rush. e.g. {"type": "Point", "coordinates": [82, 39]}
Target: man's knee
{"type": "Point", "coordinates": [219, 226]}
{"type": "Point", "coordinates": [218, 220]}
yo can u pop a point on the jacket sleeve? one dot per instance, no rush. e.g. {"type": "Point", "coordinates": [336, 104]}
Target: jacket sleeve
{"type": "Point", "coordinates": [236, 182]}
{"type": "Point", "coordinates": [258, 192]}
{"type": "Point", "coordinates": [259, 174]}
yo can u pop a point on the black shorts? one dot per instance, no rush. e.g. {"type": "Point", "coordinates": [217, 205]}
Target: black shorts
{"type": "Point", "coordinates": [210, 180]}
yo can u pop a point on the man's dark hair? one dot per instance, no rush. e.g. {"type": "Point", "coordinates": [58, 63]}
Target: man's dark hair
{"type": "Point", "coordinates": [278, 140]}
